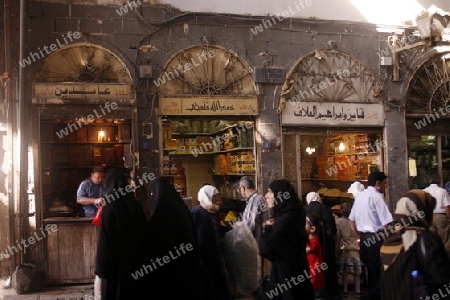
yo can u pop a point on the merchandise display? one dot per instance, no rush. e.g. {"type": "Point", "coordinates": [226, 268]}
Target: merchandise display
{"type": "Point", "coordinates": [328, 164]}
{"type": "Point", "coordinates": [209, 150]}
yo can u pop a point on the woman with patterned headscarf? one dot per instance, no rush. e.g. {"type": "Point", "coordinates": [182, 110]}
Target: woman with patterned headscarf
{"type": "Point", "coordinates": [209, 234]}
{"type": "Point", "coordinates": [402, 251]}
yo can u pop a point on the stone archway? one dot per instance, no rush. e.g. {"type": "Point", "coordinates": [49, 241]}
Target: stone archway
{"type": "Point", "coordinates": [84, 63]}
{"type": "Point", "coordinates": [347, 79]}
{"type": "Point", "coordinates": [429, 87]}
{"type": "Point", "coordinates": [206, 70]}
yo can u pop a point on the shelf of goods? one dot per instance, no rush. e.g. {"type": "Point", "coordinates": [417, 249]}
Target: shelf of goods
{"type": "Point", "coordinates": [68, 153]}
{"type": "Point", "coordinates": [215, 151]}
{"type": "Point", "coordinates": [354, 162]}
{"type": "Point", "coordinates": [425, 154]}
{"type": "Point", "coordinates": [231, 144]}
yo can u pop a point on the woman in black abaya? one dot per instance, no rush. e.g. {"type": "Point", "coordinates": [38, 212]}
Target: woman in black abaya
{"type": "Point", "coordinates": [284, 244]}
{"type": "Point", "coordinates": [139, 252]}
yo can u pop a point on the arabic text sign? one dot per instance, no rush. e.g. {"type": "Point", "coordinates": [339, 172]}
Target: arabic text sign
{"type": "Point", "coordinates": [83, 91]}
{"type": "Point", "coordinates": [338, 114]}
{"type": "Point", "coordinates": [208, 106]}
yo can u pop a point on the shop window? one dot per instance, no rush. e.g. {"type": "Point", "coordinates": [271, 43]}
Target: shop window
{"type": "Point", "coordinates": [215, 151]}
{"type": "Point", "coordinates": [328, 164]}
{"type": "Point", "coordinates": [428, 154]}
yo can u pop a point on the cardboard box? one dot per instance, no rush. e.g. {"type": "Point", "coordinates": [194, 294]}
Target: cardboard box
{"type": "Point", "coordinates": [124, 132]}
{"type": "Point", "coordinates": [82, 135]}
{"type": "Point", "coordinates": [60, 156]}
{"type": "Point", "coordinates": [109, 159]}
{"type": "Point", "coordinates": [76, 155]}
{"type": "Point", "coordinates": [47, 132]}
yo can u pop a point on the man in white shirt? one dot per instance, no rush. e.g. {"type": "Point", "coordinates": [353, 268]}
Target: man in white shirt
{"type": "Point", "coordinates": [369, 216]}
{"type": "Point", "coordinates": [441, 216]}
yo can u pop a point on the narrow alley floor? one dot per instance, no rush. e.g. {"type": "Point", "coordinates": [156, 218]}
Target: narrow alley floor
{"type": "Point", "coordinates": [85, 292]}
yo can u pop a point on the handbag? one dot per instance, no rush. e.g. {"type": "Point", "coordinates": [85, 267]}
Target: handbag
{"type": "Point", "coordinates": [98, 217]}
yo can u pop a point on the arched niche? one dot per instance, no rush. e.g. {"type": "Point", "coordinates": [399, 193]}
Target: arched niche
{"type": "Point", "coordinates": [206, 70]}
{"type": "Point", "coordinates": [428, 89]}
{"type": "Point", "coordinates": [331, 76]}
{"type": "Point", "coordinates": [84, 63]}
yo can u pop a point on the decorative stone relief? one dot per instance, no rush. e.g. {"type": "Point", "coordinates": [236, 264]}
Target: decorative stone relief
{"type": "Point", "coordinates": [331, 76]}
{"type": "Point", "coordinates": [83, 63]}
{"type": "Point", "coordinates": [206, 70]}
{"type": "Point", "coordinates": [429, 89]}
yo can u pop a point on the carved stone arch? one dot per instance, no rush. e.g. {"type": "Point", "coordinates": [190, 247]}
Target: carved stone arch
{"type": "Point", "coordinates": [331, 76]}
{"type": "Point", "coordinates": [207, 70]}
{"type": "Point", "coordinates": [428, 88]}
{"type": "Point", "coordinates": [84, 62]}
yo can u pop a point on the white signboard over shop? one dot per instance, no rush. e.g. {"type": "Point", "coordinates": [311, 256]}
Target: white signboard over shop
{"type": "Point", "coordinates": [334, 114]}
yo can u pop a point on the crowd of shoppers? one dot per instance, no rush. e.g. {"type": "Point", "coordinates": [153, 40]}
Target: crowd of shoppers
{"type": "Point", "coordinates": [155, 247]}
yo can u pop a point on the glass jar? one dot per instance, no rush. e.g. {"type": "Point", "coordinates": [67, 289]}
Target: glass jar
{"type": "Point", "coordinates": [196, 126]}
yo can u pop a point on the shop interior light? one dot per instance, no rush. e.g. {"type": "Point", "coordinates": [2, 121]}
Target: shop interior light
{"type": "Point", "coordinates": [341, 146]}
{"type": "Point", "coordinates": [101, 135]}
{"type": "Point", "coordinates": [310, 150]}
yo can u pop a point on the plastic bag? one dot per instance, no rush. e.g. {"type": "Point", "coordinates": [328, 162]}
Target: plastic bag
{"type": "Point", "coordinates": [97, 288]}
{"type": "Point", "coordinates": [242, 258]}
{"type": "Point", "coordinates": [98, 217]}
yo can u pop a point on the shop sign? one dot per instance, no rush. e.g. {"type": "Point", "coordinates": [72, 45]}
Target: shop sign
{"type": "Point", "coordinates": [208, 106]}
{"type": "Point", "coordinates": [335, 114]}
{"type": "Point", "coordinates": [65, 93]}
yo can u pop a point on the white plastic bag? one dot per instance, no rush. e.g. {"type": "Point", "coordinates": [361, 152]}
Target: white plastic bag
{"type": "Point", "coordinates": [97, 288]}
{"type": "Point", "coordinates": [242, 258]}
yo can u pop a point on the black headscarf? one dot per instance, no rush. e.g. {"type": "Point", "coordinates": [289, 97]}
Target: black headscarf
{"type": "Point", "coordinates": [114, 179]}
{"type": "Point", "coordinates": [285, 197]}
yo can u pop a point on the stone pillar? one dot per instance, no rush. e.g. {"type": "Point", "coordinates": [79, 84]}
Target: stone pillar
{"type": "Point", "coordinates": [396, 150]}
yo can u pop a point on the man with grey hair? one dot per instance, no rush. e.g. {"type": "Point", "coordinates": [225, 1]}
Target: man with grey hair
{"type": "Point", "coordinates": [256, 211]}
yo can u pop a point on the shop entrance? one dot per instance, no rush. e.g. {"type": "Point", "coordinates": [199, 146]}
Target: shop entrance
{"type": "Point", "coordinates": [428, 122]}
{"type": "Point", "coordinates": [328, 162]}
{"type": "Point", "coordinates": [208, 117]}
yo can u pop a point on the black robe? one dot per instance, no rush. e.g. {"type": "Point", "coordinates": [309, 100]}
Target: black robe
{"type": "Point", "coordinates": [143, 259]}
{"type": "Point", "coordinates": [327, 240]}
{"type": "Point", "coordinates": [209, 234]}
{"type": "Point", "coordinates": [396, 281]}
{"type": "Point", "coordinates": [284, 244]}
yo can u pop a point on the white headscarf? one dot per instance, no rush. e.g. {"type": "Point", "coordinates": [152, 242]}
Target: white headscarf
{"type": "Point", "coordinates": [313, 196]}
{"type": "Point", "coordinates": [407, 207]}
{"type": "Point", "coordinates": [356, 188]}
{"type": "Point", "coordinates": [205, 195]}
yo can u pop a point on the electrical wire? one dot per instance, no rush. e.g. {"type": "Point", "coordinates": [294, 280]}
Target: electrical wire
{"type": "Point", "coordinates": [260, 18]}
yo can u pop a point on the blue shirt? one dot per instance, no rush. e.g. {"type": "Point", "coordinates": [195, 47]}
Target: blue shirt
{"type": "Point", "coordinates": [91, 190]}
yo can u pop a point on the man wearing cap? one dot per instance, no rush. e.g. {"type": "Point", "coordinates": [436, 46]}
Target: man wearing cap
{"type": "Point", "coordinates": [369, 216]}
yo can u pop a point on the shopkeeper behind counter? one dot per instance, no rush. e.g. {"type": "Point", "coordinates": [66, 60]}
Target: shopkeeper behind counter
{"type": "Point", "coordinates": [90, 192]}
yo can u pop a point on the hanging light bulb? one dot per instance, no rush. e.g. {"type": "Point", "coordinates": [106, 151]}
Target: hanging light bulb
{"type": "Point", "coordinates": [101, 135]}
{"type": "Point", "coordinates": [310, 150]}
{"type": "Point", "coordinates": [341, 146]}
